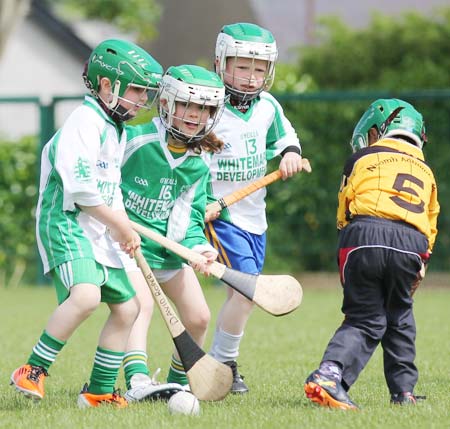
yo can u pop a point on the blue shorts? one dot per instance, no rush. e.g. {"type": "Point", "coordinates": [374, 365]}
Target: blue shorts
{"type": "Point", "coordinates": [238, 249]}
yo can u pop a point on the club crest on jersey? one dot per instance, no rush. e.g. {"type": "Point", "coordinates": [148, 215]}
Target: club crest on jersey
{"type": "Point", "coordinates": [140, 181]}
{"type": "Point", "coordinates": [82, 171]}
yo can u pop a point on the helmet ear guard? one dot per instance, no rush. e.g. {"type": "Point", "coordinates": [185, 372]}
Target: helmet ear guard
{"type": "Point", "coordinates": [115, 90]}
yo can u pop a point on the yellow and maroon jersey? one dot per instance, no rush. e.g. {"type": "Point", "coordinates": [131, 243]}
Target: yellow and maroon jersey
{"type": "Point", "coordinates": [390, 180]}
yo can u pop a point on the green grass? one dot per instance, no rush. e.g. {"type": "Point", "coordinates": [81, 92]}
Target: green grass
{"type": "Point", "coordinates": [276, 356]}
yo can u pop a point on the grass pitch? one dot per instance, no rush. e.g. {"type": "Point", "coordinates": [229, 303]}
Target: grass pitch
{"type": "Point", "coordinates": [277, 354]}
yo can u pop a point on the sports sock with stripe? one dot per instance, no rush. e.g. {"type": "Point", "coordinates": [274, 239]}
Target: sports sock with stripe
{"type": "Point", "coordinates": [104, 373]}
{"type": "Point", "coordinates": [177, 374]}
{"type": "Point", "coordinates": [45, 351]}
{"type": "Point", "coordinates": [134, 362]}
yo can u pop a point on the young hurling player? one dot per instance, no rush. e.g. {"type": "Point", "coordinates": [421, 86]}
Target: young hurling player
{"type": "Point", "coordinates": [164, 186]}
{"type": "Point", "coordinates": [387, 218]}
{"type": "Point", "coordinates": [254, 130]}
{"type": "Point", "coordinates": [80, 214]}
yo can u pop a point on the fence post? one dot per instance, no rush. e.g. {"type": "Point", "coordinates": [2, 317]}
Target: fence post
{"type": "Point", "coordinates": [47, 129]}
{"type": "Point", "coordinates": [47, 122]}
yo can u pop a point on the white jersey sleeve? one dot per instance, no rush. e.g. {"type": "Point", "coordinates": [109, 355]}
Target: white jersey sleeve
{"type": "Point", "coordinates": [75, 158]}
{"type": "Point", "coordinates": [281, 133]}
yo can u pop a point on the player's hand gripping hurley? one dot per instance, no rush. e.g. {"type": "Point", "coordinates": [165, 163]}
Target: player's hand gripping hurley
{"type": "Point", "coordinates": [238, 195]}
{"type": "Point", "coordinates": [276, 294]}
{"type": "Point", "coordinates": [209, 379]}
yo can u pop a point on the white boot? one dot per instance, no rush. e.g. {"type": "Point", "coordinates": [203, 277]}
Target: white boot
{"type": "Point", "coordinates": [144, 388]}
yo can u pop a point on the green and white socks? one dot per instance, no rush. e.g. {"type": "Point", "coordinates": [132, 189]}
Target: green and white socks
{"type": "Point", "coordinates": [177, 374]}
{"type": "Point", "coordinates": [106, 363]}
{"type": "Point", "coordinates": [104, 373]}
{"type": "Point", "coordinates": [45, 351]}
{"type": "Point", "coordinates": [134, 362]}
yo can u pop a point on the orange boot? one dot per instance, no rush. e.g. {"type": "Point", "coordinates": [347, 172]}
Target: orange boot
{"type": "Point", "coordinates": [29, 380]}
{"type": "Point", "coordinates": [86, 399]}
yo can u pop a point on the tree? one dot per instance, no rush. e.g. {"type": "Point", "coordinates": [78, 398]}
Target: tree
{"type": "Point", "coordinates": [135, 16]}
{"type": "Point", "coordinates": [406, 52]}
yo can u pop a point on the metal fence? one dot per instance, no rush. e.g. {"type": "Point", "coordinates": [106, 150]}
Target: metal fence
{"type": "Point", "coordinates": [432, 101]}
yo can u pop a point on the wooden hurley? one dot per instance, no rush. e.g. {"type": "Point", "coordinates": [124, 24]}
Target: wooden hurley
{"type": "Point", "coordinates": [209, 379]}
{"type": "Point", "coordinates": [238, 195]}
{"type": "Point", "coordinates": [276, 294]}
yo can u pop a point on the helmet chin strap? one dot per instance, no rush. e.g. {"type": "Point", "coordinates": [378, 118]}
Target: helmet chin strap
{"type": "Point", "coordinates": [183, 138]}
{"type": "Point", "coordinates": [118, 114]}
{"type": "Point", "coordinates": [112, 108]}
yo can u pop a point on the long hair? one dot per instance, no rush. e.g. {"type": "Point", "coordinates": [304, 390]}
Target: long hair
{"type": "Point", "coordinates": [211, 143]}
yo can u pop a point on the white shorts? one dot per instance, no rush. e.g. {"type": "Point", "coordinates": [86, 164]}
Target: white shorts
{"type": "Point", "coordinates": [162, 276]}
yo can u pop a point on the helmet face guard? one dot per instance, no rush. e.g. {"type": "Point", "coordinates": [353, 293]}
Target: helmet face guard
{"type": "Point", "coordinates": [391, 117]}
{"type": "Point", "coordinates": [195, 88]}
{"type": "Point", "coordinates": [245, 40]}
{"type": "Point", "coordinates": [118, 93]}
{"type": "Point", "coordinates": [125, 65]}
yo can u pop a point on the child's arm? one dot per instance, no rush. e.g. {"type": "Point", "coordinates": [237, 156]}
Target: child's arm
{"type": "Point", "coordinates": [118, 224]}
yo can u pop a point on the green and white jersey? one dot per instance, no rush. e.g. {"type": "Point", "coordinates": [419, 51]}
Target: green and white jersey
{"type": "Point", "coordinates": [80, 165]}
{"type": "Point", "coordinates": [165, 191]}
{"type": "Point", "coordinates": [250, 140]}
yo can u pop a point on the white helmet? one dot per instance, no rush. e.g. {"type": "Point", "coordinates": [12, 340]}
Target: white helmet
{"type": "Point", "coordinates": [191, 84]}
{"type": "Point", "coordinates": [246, 41]}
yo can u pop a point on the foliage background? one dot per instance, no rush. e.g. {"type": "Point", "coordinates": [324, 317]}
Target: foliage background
{"type": "Point", "coordinates": [351, 68]}
{"type": "Point", "coordinates": [323, 95]}
{"type": "Point", "coordinates": [18, 193]}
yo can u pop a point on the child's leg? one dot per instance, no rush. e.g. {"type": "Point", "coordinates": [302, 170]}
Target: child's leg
{"type": "Point", "coordinates": [230, 326]}
{"type": "Point", "coordinates": [83, 299]}
{"type": "Point", "coordinates": [244, 252]}
{"type": "Point", "coordinates": [79, 301]}
{"type": "Point", "coordinates": [111, 346]}
{"type": "Point", "coordinates": [140, 387]}
{"type": "Point", "coordinates": [185, 292]}
{"type": "Point", "coordinates": [117, 291]}
{"type": "Point", "coordinates": [398, 342]}
{"type": "Point", "coordinates": [135, 360]}
{"type": "Point", "coordinates": [228, 335]}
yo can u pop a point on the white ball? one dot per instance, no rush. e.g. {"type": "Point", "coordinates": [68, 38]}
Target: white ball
{"type": "Point", "coordinates": [184, 403]}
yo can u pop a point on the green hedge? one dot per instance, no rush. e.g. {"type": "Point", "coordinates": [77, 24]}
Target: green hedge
{"type": "Point", "coordinates": [18, 197]}
{"type": "Point", "coordinates": [302, 211]}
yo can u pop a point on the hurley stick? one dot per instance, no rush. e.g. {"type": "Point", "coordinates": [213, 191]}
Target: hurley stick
{"type": "Point", "coordinates": [276, 294]}
{"type": "Point", "coordinates": [209, 379]}
{"type": "Point", "coordinates": [238, 195]}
